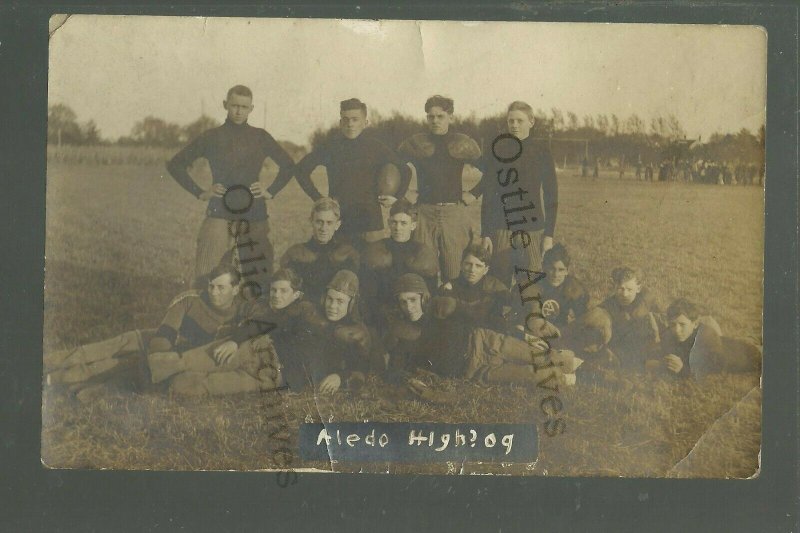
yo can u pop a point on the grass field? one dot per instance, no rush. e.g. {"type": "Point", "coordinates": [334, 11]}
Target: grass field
{"type": "Point", "coordinates": [120, 245]}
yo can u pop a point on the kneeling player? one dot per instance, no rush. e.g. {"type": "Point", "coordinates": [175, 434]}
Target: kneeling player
{"type": "Point", "coordinates": [318, 259]}
{"type": "Point", "coordinates": [482, 297]}
{"type": "Point", "coordinates": [386, 260]}
{"type": "Point", "coordinates": [633, 312]}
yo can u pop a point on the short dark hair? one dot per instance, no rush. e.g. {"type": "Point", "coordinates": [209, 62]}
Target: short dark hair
{"type": "Point", "coordinates": [478, 251]}
{"type": "Point", "coordinates": [557, 253]}
{"type": "Point", "coordinates": [404, 206]}
{"type": "Point", "coordinates": [352, 103]}
{"type": "Point", "coordinates": [625, 273]}
{"type": "Point", "coordinates": [241, 90]}
{"type": "Point", "coordinates": [437, 100]}
{"type": "Point", "coordinates": [287, 274]}
{"type": "Point", "coordinates": [683, 306]}
{"type": "Point", "coordinates": [225, 268]}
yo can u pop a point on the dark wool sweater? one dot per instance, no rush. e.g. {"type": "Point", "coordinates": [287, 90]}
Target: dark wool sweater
{"type": "Point", "coordinates": [316, 263]}
{"type": "Point", "coordinates": [191, 321]}
{"type": "Point", "coordinates": [352, 166]}
{"type": "Point", "coordinates": [536, 174]}
{"type": "Point", "coordinates": [236, 154]}
{"type": "Point", "coordinates": [439, 161]}
{"type": "Point", "coordinates": [386, 260]}
{"type": "Point", "coordinates": [483, 302]}
{"type": "Point", "coordinates": [571, 300]}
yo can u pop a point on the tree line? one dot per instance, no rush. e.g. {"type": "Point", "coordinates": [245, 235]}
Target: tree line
{"type": "Point", "coordinates": [605, 138]}
{"type": "Point", "coordinates": [609, 139]}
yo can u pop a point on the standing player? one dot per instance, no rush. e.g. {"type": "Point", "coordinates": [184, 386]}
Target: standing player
{"type": "Point", "coordinates": [439, 157]}
{"type": "Point", "coordinates": [532, 198]}
{"type": "Point", "coordinates": [353, 161]}
{"type": "Point", "coordinates": [236, 211]}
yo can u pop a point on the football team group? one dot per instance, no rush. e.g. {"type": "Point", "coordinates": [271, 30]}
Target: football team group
{"type": "Point", "coordinates": [407, 292]}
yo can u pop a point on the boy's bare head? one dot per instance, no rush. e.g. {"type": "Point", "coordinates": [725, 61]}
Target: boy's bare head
{"type": "Point", "coordinates": [556, 264]}
{"type": "Point", "coordinates": [241, 90]}
{"type": "Point", "coordinates": [352, 117]}
{"type": "Point", "coordinates": [223, 285]}
{"type": "Point", "coordinates": [238, 103]}
{"type": "Point", "coordinates": [402, 220]}
{"type": "Point", "coordinates": [439, 114]}
{"type": "Point", "coordinates": [444, 103]}
{"type": "Point", "coordinates": [475, 263]}
{"type": "Point", "coordinates": [285, 288]}
{"type": "Point", "coordinates": [682, 316]}
{"type": "Point", "coordinates": [325, 219]}
{"type": "Point", "coordinates": [627, 284]}
{"type": "Point", "coordinates": [519, 119]}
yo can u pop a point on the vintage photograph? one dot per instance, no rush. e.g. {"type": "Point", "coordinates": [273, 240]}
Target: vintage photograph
{"type": "Point", "coordinates": [435, 247]}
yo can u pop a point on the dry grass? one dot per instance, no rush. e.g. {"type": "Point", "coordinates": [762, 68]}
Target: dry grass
{"type": "Point", "coordinates": [120, 244]}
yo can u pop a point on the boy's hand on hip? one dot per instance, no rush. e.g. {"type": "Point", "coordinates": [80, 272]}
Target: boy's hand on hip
{"type": "Point", "coordinates": [216, 190]}
{"type": "Point", "coordinates": [467, 197]}
{"type": "Point", "coordinates": [259, 191]}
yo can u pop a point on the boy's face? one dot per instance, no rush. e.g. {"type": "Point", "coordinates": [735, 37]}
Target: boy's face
{"type": "Point", "coordinates": [438, 120]}
{"type": "Point", "coordinates": [400, 227]}
{"type": "Point", "coordinates": [281, 294]}
{"type": "Point", "coordinates": [238, 108]}
{"type": "Point", "coordinates": [519, 125]}
{"type": "Point", "coordinates": [627, 291]}
{"type": "Point", "coordinates": [682, 327]}
{"type": "Point", "coordinates": [325, 224]}
{"type": "Point", "coordinates": [556, 273]}
{"type": "Point", "coordinates": [221, 291]}
{"type": "Point", "coordinates": [411, 305]}
{"type": "Point", "coordinates": [473, 269]}
{"type": "Point", "coordinates": [352, 123]}
{"type": "Point", "coordinates": [336, 304]}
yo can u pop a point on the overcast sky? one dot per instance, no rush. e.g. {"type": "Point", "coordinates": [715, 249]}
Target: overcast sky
{"type": "Point", "coordinates": [116, 70]}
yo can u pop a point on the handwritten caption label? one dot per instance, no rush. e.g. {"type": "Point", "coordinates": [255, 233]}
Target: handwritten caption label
{"type": "Point", "coordinates": [409, 442]}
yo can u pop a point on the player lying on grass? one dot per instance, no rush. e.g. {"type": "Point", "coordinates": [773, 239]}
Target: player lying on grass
{"type": "Point", "coordinates": [435, 335]}
{"type": "Point", "coordinates": [269, 326]}
{"type": "Point", "coordinates": [693, 345]}
{"type": "Point", "coordinates": [382, 262]}
{"type": "Point", "coordinates": [353, 159]}
{"type": "Point", "coordinates": [337, 350]}
{"type": "Point", "coordinates": [194, 319]}
{"type": "Point", "coordinates": [324, 254]}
